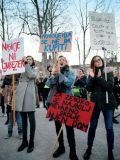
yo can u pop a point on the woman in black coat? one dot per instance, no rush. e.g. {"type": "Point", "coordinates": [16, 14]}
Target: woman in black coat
{"type": "Point", "coordinates": [116, 92]}
{"type": "Point", "coordinates": [117, 87]}
{"type": "Point", "coordinates": [98, 87]}
{"type": "Point", "coordinates": [80, 83]}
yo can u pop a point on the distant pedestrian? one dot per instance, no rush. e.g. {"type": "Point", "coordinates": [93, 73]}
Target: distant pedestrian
{"type": "Point", "coordinates": [6, 82]}
{"type": "Point", "coordinates": [17, 115]}
{"type": "Point", "coordinates": [46, 89]}
{"type": "Point", "coordinates": [80, 83]}
{"type": "Point", "coordinates": [116, 92]}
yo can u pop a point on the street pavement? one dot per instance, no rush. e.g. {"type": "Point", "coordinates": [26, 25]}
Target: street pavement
{"type": "Point", "coordinates": [45, 138]}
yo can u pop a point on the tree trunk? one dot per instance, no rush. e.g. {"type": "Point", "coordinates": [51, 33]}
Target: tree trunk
{"type": "Point", "coordinates": [40, 29]}
{"type": "Point", "coordinates": [3, 22]}
{"type": "Point", "coordinates": [78, 46]}
{"type": "Point", "coordinates": [84, 57]}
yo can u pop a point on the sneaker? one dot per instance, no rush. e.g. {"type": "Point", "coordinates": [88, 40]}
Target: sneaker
{"type": "Point", "coordinates": [50, 119]}
{"type": "Point", "coordinates": [87, 154]}
{"type": "Point", "coordinates": [9, 135]}
{"type": "Point", "coordinates": [38, 106]}
{"type": "Point", "coordinates": [59, 152]}
{"type": "Point", "coordinates": [20, 135]}
{"type": "Point", "coordinates": [115, 121]}
{"type": "Point", "coordinates": [2, 115]}
{"type": "Point", "coordinates": [6, 123]}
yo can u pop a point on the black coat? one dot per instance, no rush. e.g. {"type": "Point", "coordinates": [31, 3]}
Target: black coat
{"type": "Point", "coordinates": [98, 87]}
{"type": "Point", "coordinates": [117, 89]}
{"type": "Point", "coordinates": [81, 84]}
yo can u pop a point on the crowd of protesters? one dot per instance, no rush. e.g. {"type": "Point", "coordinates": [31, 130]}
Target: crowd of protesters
{"type": "Point", "coordinates": [31, 89]}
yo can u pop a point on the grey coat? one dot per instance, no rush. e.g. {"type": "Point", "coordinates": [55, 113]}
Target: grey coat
{"type": "Point", "coordinates": [25, 92]}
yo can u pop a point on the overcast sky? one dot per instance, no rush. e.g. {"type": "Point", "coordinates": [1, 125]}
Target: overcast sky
{"type": "Point", "coordinates": [32, 43]}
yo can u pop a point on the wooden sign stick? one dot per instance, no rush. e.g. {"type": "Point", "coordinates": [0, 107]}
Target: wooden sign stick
{"type": "Point", "coordinates": [13, 99]}
{"type": "Point", "coordinates": [50, 155]}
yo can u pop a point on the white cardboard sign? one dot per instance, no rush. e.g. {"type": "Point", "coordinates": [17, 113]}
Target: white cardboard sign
{"type": "Point", "coordinates": [12, 54]}
{"type": "Point", "coordinates": [102, 31]}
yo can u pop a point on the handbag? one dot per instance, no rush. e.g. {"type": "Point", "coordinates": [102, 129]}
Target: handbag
{"type": "Point", "coordinates": [37, 97]}
{"type": "Point", "coordinates": [76, 91]}
{"type": "Point", "coordinates": [50, 95]}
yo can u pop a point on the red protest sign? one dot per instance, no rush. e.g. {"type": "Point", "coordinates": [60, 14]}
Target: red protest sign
{"type": "Point", "coordinates": [73, 111]}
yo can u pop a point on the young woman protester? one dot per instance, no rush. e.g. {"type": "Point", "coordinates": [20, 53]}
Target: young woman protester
{"type": "Point", "coordinates": [7, 84]}
{"type": "Point", "coordinates": [80, 84]}
{"type": "Point", "coordinates": [26, 102]}
{"type": "Point", "coordinates": [99, 86]}
{"type": "Point", "coordinates": [61, 80]}
{"type": "Point", "coordinates": [116, 92]}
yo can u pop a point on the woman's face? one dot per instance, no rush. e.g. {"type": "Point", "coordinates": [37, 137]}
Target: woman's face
{"type": "Point", "coordinates": [80, 73]}
{"type": "Point", "coordinates": [30, 60]}
{"type": "Point", "coordinates": [54, 71]}
{"type": "Point", "coordinates": [62, 61]}
{"type": "Point", "coordinates": [116, 73]}
{"type": "Point", "coordinates": [98, 62]}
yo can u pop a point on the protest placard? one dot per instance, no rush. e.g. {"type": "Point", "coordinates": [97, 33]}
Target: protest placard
{"type": "Point", "coordinates": [73, 111]}
{"type": "Point", "coordinates": [102, 31]}
{"type": "Point", "coordinates": [58, 42]}
{"type": "Point", "coordinates": [12, 54]}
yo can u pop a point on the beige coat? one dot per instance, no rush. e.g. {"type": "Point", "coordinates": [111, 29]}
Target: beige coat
{"type": "Point", "coordinates": [25, 92]}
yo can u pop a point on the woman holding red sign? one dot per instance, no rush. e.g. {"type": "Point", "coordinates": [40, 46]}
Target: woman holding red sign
{"type": "Point", "coordinates": [99, 86]}
{"type": "Point", "coordinates": [61, 80]}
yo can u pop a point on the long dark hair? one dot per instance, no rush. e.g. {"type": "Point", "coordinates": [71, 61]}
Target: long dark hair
{"type": "Point", "coordinates": [81, 69]}
{"type": "Point", "coordinates": [92, 64]}
{"type": "Point", "coordinates": [33, 64]}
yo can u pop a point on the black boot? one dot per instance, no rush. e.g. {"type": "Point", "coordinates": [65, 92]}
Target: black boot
{"type": "Point", "coordinates": [60, 150]}
{"type": "Point", "coordinates": [87, 154]}
{"type": "Point", "coordinates": [73, 155]}
{"type": "Point", "coordinates": [30, 147]}
{"type": "Point", "coordinates": [23, 145]}
{"type": "Point", "coordinates": [6, 123]}
{"type": "Point", "coordinates": [110, 155]}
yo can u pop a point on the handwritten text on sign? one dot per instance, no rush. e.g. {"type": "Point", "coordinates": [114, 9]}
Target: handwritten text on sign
{"type": "Point", "coordinates": [59, 42]}
{"type": "Point", "coordinates": [73, 111]}
{"type": "Point", "coordinates": [12, 54]}
{"type": "Point", "coordinates": [102, 31]}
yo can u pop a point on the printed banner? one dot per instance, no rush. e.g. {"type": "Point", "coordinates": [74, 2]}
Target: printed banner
{"type": "Point", "coordinates": [102, 31]}
{"type": "Point", "coordinates": [73, 111]}
{"type": "Point", "coordinates": [59, 42]}
{"type": "Point", "coordinates": [12, 54]}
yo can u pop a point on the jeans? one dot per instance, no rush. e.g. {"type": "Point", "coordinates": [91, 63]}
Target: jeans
{"type": "Point", "coordinates": [18, 120]}
{"type": "Point", "coordinates": [108, 114]}
{"type": "Point", "coordinates": [2, 104]}
{"type": "Point", "coordinates": [31, 116]}
{"type": "Point", "coordinates": [70, 135]}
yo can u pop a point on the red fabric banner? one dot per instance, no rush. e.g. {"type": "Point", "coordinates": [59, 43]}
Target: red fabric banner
{"type": "Point", "coordinates": [71, 110]}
